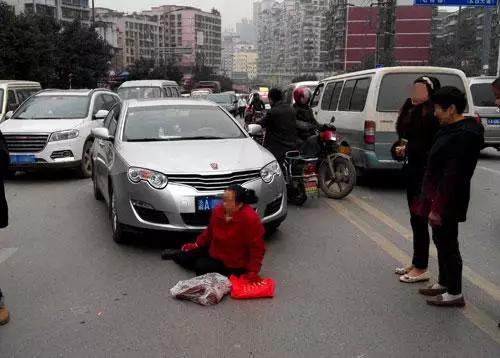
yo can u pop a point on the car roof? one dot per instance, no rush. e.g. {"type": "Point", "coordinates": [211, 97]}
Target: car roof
{"type": "Point", "coordinates": [148, 83]}
{"type": "Point", "coordinates": [481, 79]}
{"type": "Point", "coordinates": [72, 92]}
{"type": "Point", "coordinates": [397, 69]}
{"type": "Point", "coordinates": [169, 101]}
{"type": "Point", "coordinates": [305, 83]}
{"type": "Point", "coordinates": [20, 83]}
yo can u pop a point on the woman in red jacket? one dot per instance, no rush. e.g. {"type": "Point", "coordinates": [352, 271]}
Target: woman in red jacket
{"type": "Point", "coordinates": [233, 242]}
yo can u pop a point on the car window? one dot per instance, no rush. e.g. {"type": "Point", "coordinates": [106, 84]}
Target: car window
{"type": "Point", "coordinates": [345, 97]}
{"type": "Point", "coordinates": [327, 96]}
{"type": "Point", "coordinates": [22, 95]}
{"type": "Point", "coordinates": [1, 100]}
{"type": "Point", "coordinates": [11, 100]}
{"type": "Point", "coordinates": [54, 107]}
{"type": "Point", "coordinates": [99, 104]}
{"type": "Point", "coordinates": [336, 95]}
{"type": "Point", "coordinates": [395, 88]}
{"type": "Point", "coordinates": [109, 101]}
{"type": "Point", "coordinates": [317, 95]}
{"type": "Point", "coordinates": [169, 92]}
{"type": "Point", "coordinates": [219, 98]}
{"type": "Point", "coordinates": [482, 95]}
{"type": "Point", "coordinates": [359, 95]}
{"type": "Point", "coordinates": [168, 123]}
{"type": "Point", "coordinates": [175, 92]}
{"type": "Point", "coordinates": [288, 96]}
{"type": "Point", "coordinates": [111, 121]}
{"type": "Point", "coordinates": [139, 92]}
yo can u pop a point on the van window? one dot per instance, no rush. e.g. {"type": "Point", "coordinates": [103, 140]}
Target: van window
{"type": "Point", "coordinates": [359, 95]}
{"type": "Point", "coordinates": [175, 92]}
{"type": "Point", "coordinates": [336, 95]}
{"type": "Point", "coordinates": [11, 101]}
{"type": "Point", "coordinates": [327, 97]}
{"type": "Point", "coordinates": [317, 95]}
{"type": "Point", "coordinates": [345, 98]}
{"type": "Point", "coordinates": [110, 101]}
{"type": "Point", "coordinates": [395, 88]}
{"type": "Point", "coordinates": [288, 96]}
{"type": "Point", "coordinates": [482, 95]}
{"type": "Point", "coordinates": [1, 100]}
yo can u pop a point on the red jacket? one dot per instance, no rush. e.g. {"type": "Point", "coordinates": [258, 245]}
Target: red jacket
{"type": "Point", "coordinates": [239, 243]}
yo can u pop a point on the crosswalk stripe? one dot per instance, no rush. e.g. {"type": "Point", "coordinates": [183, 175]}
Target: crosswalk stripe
{"type": "Point", "coordinates": [6, 253]}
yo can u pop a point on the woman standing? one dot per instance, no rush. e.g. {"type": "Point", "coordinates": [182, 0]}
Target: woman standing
{"type": "Point", "coordinates": [416, 127]}
{"type": "Point", "coordinates": [4, 164]}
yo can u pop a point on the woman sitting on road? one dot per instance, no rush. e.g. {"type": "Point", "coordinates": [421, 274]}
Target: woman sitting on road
{"type": "Point", "coordinates": [233, 242]}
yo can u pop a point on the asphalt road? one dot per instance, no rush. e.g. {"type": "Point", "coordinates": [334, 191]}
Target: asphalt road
{"type": "Point", "coordinates": [74, 293]}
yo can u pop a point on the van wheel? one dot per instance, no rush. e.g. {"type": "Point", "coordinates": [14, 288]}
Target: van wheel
{"type": "Point", "coordinates": [85, 169]}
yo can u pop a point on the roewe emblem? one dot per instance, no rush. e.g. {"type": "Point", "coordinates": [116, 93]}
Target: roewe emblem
{"type": "Point", "coordinates": [214, 166]}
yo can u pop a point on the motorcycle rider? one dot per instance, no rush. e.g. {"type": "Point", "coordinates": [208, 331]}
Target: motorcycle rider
{"type": "Point", "coordinates": [305, 121]}
{"type": "Point", "coordinates": [280, 124]}
{"type": "Point", "coordinates": [257, 105]}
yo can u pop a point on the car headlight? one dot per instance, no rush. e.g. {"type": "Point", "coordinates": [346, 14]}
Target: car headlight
{"type": "Point", "coordinates": [155, 179]}
{"type": "Point", "coordinates": [64, 135]}
{"type": "Point", "coordinates": [270, 171]}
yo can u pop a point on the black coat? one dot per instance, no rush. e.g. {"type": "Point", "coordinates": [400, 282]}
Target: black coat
{"type": "Point", "coordinates": [281, 130]}
{"type": "Point", "coordinates": [4, 164]}
{"type": "Point", "coordinates": [452, 161]}
{"type": "Point", "coordinates": [306, 123]}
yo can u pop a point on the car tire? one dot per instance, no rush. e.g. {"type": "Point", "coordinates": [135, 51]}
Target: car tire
{"type": "Point", "coordinates": [85, 169]}
{"type": "Point", "coordinates": [271, 229]}
{"type": "Point", "coordinates": [119, 234]}
{"type": "Point", "coordinates": [97, 192]}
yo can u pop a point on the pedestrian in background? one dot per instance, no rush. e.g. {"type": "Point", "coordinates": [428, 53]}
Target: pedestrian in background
{"type": "Point", "coordinates": [242, 104]}
{"type": "Point", "coordinates": [446, 190]}
{"type": "Point", "coordinates": [416, 127]}
{"type": "Point", "coordinates": [4, 163]}
{"type": "Point", "coordinates": [496, 91]}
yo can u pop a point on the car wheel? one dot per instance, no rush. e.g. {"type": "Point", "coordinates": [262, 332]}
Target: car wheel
{"type": "Point", "coordinates": [97, 192]}
{"type": "Point", "coordinates": [85, 169]}
{"type": "Point", "coordinates": [271, 229]}
{"type": "Point", "coordinates": [119, 235]}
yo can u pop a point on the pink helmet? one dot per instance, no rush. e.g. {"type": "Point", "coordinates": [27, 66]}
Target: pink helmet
{"type": "Point", "coordinates": [302, 95]}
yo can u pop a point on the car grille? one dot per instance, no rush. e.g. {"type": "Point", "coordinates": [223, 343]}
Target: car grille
{"type": "Point", "coordinates": [214, 182]}
{"type": "Point", "coordinates": [30, 143]}
{"type": "Point", "coordinates": [273, 207]}
{"type": "Point", "coordinates": [197, 219]}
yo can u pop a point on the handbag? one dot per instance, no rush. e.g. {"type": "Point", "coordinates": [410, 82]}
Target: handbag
{"type": "Point", "coordinates": [243, 289]}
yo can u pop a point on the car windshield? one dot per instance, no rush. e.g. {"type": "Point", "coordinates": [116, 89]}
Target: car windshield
{"type": "Point", "coordinates": [1, 100]}
{"type": "Point", "coordinates": [54, 107]}
{"type": "Point", "coordinates": [482, 95]}
{"type": "Point", "coordinates": [169, 123]}
{"type": "Point", "coordinates": [139, 92]}
{"type": "Point", "coordinates": [396, 88]}
{"type": "Point", "coordinates": [219, 98]}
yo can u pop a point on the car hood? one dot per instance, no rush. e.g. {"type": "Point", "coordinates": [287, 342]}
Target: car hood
{"type": "Point", "coordinates": [196, 157]}
{"type": "Point", "coordinates": [38, 125]}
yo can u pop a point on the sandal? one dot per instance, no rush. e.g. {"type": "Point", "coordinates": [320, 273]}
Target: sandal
{"type": "Point", "coordinates": [403, 270]}
{"type": "Point", "coordinates": [420, 278]}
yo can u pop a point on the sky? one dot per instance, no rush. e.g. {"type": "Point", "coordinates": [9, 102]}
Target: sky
{"type": "Point", "coordinates": [232, 11]}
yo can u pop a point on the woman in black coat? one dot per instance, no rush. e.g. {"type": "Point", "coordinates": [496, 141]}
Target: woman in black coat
{"type": "Point", "coordinates": [4, 164]}
{"type": "Point", "coordinates": [416, 127]}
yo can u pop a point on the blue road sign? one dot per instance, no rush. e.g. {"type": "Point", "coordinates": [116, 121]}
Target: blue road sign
{"type": "Point", "coordinates": [475, 3]}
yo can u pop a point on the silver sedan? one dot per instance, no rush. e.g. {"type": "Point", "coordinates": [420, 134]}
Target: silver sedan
{"type": "Point", "coordinates": [163, 164]}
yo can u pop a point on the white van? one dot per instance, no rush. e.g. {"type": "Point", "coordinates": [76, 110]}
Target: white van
{"type": "Point", "coordinates": [148, 89]}
{"type": "Point", "coordinates": [485, 108]}
{"type": "Point", "coordinates": [288, 90]}
{"type": "Point", "coordinates": [366, 104]}
{"type": "Point", "coordinates": [13, 93]}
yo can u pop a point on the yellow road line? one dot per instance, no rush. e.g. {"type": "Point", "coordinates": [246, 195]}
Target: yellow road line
{"type": "Point", "coordinates": [476, 279]}
{"type": "Point", "coordinates": [471, 312]}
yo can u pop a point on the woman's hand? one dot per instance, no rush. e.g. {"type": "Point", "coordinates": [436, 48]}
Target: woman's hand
{"type": "Point", "coordinates": [435, 219]}
{"type": "Point", "coordinates": [400, 151]}
{"type": "Point", "coordinates": [189, 247]}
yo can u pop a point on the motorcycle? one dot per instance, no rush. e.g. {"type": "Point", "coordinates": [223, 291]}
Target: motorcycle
{"type": "Point", "coordinates": [254, 117]}
{"type": "Point", "coordinates": [301, 177]}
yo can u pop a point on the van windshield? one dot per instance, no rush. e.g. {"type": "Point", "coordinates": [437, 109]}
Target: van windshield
{"type": "Point", "coordinates": [395, 88]}
{"type": "Point", "coordinates": [1, 100]}
{"type": "Point", "coordinates": [482, 95]}
{"type": "Point", "coordinates": [139, 92]}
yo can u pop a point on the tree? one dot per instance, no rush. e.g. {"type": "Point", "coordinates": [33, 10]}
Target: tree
{"type": "Point", "coordinates": [146, 69]}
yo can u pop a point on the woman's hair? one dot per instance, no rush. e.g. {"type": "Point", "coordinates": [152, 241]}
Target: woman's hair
{"type": "Point", "coordinates": [432, 83]}
{"type": "Point", "coordinates": [275, 95]}
{"type": "Point", "coordinates": [243, 195]}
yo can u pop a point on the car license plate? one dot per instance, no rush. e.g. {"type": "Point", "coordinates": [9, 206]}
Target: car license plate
{"type": "Point", "coordinates": [207, 203]}
{"type": "Point", "coordinates": [311, 187]}
{"type": "Point", "coordinates": [494, 121]}
{"type": "Point", "coordinates": [22, 159]}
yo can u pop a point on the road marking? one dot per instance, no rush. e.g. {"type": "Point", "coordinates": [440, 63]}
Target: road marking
{"type": "Point", "coordinates": [480, 319]}
{"type": "Point", "coordinates": [497, 172]}
{"type": "Point", "coordinates": [6, 253]}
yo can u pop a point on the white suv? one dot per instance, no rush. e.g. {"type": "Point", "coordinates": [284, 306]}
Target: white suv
{"type": "Point", "coordinates": [53, 129]}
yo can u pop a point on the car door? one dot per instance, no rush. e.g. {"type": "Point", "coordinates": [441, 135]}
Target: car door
{"type": "Point", "coordinates": [107, 147]}
{"type": "Point", "coordinates": [99, 160]}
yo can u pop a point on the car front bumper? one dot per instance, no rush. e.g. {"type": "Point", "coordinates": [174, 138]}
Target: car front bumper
{"type": "Point", "coordinates": [140, 206]}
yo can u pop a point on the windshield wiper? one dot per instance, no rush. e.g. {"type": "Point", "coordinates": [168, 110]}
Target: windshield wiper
{"type": "Point", "coordinates": [202, 137]}
{"type": "Point", "coordinates": [149, 140]}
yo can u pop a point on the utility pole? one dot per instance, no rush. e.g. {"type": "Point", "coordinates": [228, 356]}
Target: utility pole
{"type": "Point", "coordinates": [386, 30]}
{"type": "Point", "coordinates": [93, 14]}
{"type": "Point", "coordinates": [485, 58]}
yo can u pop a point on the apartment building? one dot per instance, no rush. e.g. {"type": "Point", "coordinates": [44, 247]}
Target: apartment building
{"type": "Point", "coordinates": [245, 62]}
{"type": "Point", "coordinates": [63, 10]}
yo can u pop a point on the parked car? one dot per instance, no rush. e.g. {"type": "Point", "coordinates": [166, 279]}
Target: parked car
{"type": "Point", "coordinates": [228, 101]}
{"type": "Point", "coordinates": [52, 129]}
{"type": "Point", "coordinates": [484, 107]}
{"type": "Point", "coordinates": [365, 106]}
{"type": "Point", "coordinates": [149, 89]}
{"type": "Point", "coordinates": [13, 93]}
{"type": "Point", "coordinates": [164, 164]}
{"type": "Point", "coordinates": [288, 90]}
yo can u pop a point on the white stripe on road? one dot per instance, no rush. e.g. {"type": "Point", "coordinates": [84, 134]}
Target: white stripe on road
{"type": "Point", "coordinates": [6, 253]}
{"type": "Point", "coordinates": [497, 172]}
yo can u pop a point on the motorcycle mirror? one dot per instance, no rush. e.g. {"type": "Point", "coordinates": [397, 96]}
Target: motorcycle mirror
{"type": "Point", "coordinates": [332, 120]}
{"type": "Point", "coordinates": [254, 129]}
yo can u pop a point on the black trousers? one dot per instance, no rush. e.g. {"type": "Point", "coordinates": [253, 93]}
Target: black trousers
{"type": "Point", "coordinates": [241, 112]}
{"type": "Point", "coordinates": [445, 238]}
{"type": "Point", "coordinates": [200, 262]}
{"type": "Point", "coordinates": [1, 298]}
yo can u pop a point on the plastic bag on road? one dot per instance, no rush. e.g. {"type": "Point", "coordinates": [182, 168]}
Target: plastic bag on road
{"type": "Point", "coordinates": [205, 290]}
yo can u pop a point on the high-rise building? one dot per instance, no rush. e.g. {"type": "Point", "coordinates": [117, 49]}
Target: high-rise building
{"type": "Point", "coordinates": [246, 31]}
{"type": "Point", "coordinates": [229, 42]}
{"type": "Point", "coordinates": [64, 10]}
{"type": "Point", "coordinates": [245, 63]}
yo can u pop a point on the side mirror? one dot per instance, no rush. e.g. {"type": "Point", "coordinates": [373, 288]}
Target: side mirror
{"type": "Point", "coordinates": [255, 129]}
{"type": "Point", "coordinates": [102, 133]}
{"type": "Point", "coordinates": [9, 114]}
{"type": "Point", "coordinates": [332, 120]}
{"type": "Point", "coordinates": [101, 114]}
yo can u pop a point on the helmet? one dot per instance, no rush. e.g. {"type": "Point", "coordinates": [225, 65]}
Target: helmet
{"type": "Point", "coordinates": [302, 95]}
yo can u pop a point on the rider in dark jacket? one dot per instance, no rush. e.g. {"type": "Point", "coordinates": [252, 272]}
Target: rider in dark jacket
{"type": "Point", "coordinates": [279, 122]}
{"type": "Point", "coordinates": [306, 123]}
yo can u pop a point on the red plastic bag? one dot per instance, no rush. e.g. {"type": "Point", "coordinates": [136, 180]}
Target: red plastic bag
{"type": "Point", "coordinates": [243, 289]}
